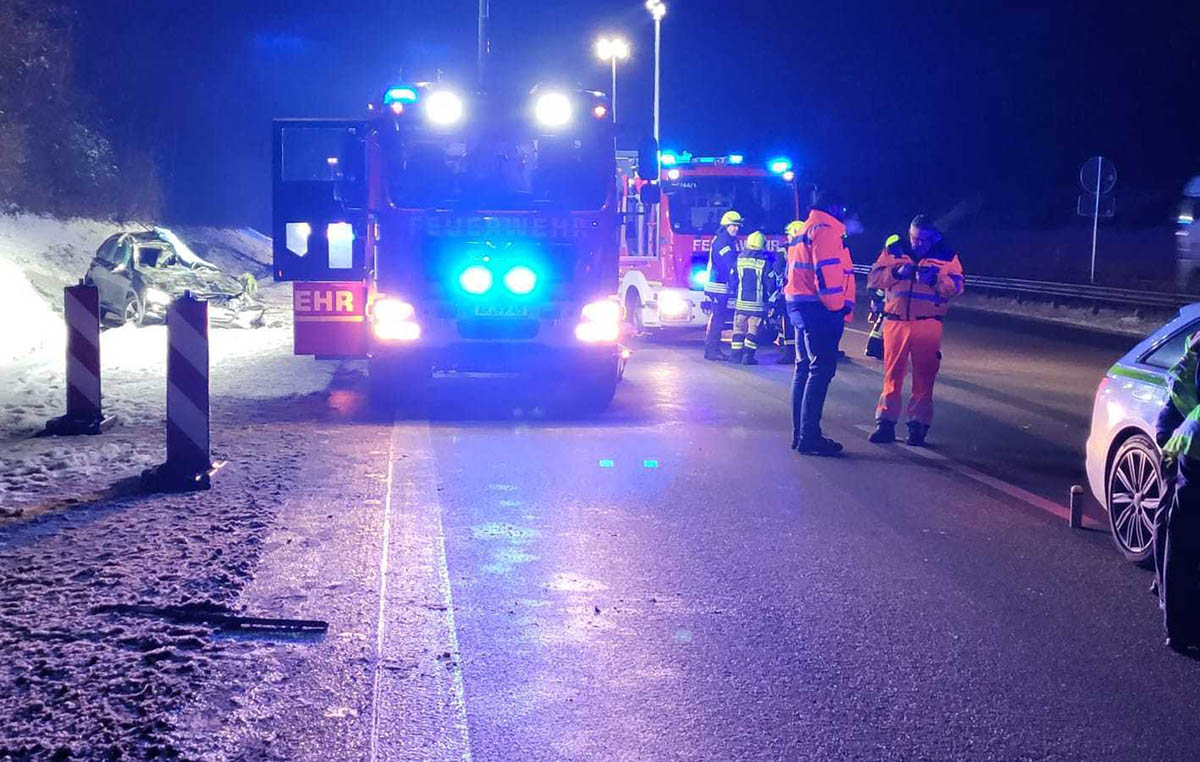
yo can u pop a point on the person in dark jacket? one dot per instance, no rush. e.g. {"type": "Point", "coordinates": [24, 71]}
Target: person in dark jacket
{"type": "Point", "coordinates": [1177, 524]}
{"type": "Point", "coordinates": [721, 261]}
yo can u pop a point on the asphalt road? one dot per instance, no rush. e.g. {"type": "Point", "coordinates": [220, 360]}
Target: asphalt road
{"type": "Point", "coordinates": [669, 581]}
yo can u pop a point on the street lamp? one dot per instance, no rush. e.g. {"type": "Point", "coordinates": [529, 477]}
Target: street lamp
{"type": "Point", "coordinates": [613, 49]}
{"type": "Point", "coordinates": [657, 9]}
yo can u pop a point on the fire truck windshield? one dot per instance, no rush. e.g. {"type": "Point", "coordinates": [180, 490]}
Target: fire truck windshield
{"type": "Point", "coordinates": [697, 203]}
{"type": "Point", "coordinates": [498, 169]}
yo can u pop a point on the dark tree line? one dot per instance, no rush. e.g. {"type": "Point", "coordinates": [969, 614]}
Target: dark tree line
{"type": "Point", "coordinates": [59, 153]}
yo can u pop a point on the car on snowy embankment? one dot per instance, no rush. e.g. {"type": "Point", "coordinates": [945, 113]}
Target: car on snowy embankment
{"type": "Point", "coordinates": [138, 275]}
{"type": "Point", "coordinates": [1123, 462]}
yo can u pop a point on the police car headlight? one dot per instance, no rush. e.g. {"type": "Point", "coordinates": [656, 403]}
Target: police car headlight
{"type": "Point", "coordinates": [157, 297]}
{"type": "Point", "coordinates": [672, 305]}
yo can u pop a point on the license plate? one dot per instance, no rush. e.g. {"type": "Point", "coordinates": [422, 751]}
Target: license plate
{"type": "Point", "coordinates": [501, 310]}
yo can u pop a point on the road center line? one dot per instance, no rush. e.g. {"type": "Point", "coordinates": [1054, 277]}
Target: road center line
{"type": "Point", "coordinates": [380, 627]}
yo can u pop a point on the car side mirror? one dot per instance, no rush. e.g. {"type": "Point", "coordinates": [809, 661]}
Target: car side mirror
{"type": "Point", "coordinates": [648, 159]}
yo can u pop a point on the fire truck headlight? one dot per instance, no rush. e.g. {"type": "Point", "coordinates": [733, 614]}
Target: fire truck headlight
{"type": "Point", "coordinates": [553, 110]}
{"type": "Point", "coordinates": [444, 108]}
{"type": "Point", "coordinates": [476, 279]}
{"type": "Point", "coordinates": [520, 280]}
{"type": "Point", "coordinates": [392, 320]}
{"type": "Point", "coordinates": [673, 306]}
{"type": "Point", "coordinates": [601, 322]}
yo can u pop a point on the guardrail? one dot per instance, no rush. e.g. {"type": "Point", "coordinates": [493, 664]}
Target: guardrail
{"type": "Point", "coordinates": [1074, 291]}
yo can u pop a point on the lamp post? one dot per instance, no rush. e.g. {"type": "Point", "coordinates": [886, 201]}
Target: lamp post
{"type": "Point", "coordinates": [613, 49]}
{"type": "Point", "coordinates": [657, 9]}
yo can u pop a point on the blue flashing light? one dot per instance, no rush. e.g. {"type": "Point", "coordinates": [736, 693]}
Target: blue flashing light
{"type": "Point", "coordinates": [736, 158]}
{"type": "Point", "coordinates": [650, 463]}
{"type": "Point", "coordinates": [520, 280]}
{"type": "Point", "coordinates": [401, 94]}
{"type": "Point", "coordinates": [476, 279]}
{"type": "Point", "coordinates": [668, 158]}
{"type": "Point", "coordinates": [606, 463]}
{"type": "Point", "coordinates": [698, 278]}
{"type": "Point", "coordinates": [707, 160]}
{"type": "Point", "coordinates": [779, 165]}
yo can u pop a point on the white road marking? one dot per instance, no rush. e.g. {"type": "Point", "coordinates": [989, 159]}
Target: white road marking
{"type": "Point", "coordinates": [1012, 490]}
{"type": "Point", "coordinates": [419, 700]}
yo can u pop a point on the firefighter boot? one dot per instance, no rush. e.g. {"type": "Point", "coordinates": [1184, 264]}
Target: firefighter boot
{"type": "Point", "coordinates": [748, 357]}
{"type": "Point", "coordinates": [736, 356]}
{"type": "Point", "coordinates": [884, 433]}
{"type": "Point", "coordinates": [715, 354]}
{"type": "Point", "coordinates": [916, 434]}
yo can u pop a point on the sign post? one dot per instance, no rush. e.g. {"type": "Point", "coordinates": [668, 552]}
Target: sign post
{"type": "Point", "coordinates": [1097, 176]}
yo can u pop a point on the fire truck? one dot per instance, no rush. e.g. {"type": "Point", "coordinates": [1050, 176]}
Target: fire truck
{"type": "Point", "coordinates": [454, 232]}
{"type": "Point", "coordinates": [662, 287]}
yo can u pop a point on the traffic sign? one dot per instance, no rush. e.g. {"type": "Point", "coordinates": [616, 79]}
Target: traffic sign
{"type": "Point", "coordinates": [1098, 175]}
{"type": "Point", "coordinates": [1086, 205]}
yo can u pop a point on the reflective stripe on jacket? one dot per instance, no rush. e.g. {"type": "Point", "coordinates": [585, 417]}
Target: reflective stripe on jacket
{"type": "Point", "coordinates": [911, 297]}
{"type": "Point", "coordinates": [754, 282]}
{"type": "Point", "coordinates": [818, 261]}
{"type": "Point", "coordinates": [721, 259]}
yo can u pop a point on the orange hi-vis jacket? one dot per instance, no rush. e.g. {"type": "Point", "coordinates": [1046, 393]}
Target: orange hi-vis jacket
{"type": "Point", "coordinates": [818, 264]}
{"type": "Point", "coordinates": [913, 297]}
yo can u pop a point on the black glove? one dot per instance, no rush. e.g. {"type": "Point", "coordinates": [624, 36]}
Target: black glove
{"type": "Point", "coordinates": [846, 309]}
{"type": "Point", "coordinates": [903, 272]}
{"type": "Point", "coordinates": [929, 276]}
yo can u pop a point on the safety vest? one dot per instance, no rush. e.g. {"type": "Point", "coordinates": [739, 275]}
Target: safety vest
{"type": "Point", "coordinates": [1182, 394]}
{"type": "Point", "coordinates": [754, 282]}
{"type": "Point", "coordinates": [913, 297]}
{"type": "Point", "coordinates": [818, 263]}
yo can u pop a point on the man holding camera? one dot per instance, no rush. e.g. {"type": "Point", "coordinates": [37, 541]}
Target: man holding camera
{"type": "Point", "coordinates": [919, 277]}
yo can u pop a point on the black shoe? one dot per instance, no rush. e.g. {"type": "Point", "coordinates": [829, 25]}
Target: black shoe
{"type": "Point", "coordinates": [818, 446]}
{"type": "Point", "coordinates": [717, 355]}
{"type": "Point", "coordinates": [748, 359]}
{"type": "Point", "coordinates": [916, 434]}
{"type": "Point", "coordinates": [884, 433]}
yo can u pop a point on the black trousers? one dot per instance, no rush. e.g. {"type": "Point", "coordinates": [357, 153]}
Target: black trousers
{"type": "Point", "coordinates": [720, 315]}
{"type": "Point", "coordinates": [1177, 552]}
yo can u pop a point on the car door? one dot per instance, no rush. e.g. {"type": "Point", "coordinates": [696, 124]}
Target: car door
{"type": "Point", "coordinates": [110, 274]}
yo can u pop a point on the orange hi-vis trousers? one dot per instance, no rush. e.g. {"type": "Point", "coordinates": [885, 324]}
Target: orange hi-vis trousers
{"type": "Point", "coordinates": [921, 342]}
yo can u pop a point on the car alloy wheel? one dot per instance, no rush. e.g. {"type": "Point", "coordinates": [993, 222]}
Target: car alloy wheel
{"type": "Point", "coordinates": [135, 313]}
{"type": "Point", "coordinates": [1135, 493]}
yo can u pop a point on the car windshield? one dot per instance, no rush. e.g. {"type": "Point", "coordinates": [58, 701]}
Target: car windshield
{"type": "Point", "coordinates": [499, 168]}
{"type": "Point", "coordinates": [697, 203]}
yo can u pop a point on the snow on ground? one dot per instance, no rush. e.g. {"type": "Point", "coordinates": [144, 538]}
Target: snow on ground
{"type": "Point", "coordinates": [40, 255]}
{"type": "Point", "coordinates": [1128, 321]}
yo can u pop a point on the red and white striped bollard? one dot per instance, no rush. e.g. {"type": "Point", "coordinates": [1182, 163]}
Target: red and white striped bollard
{"type": "Point", "coordinates": [81, 309]}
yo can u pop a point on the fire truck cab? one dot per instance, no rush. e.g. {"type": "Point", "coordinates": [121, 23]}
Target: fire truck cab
{"type": "Point", "coordinates": [453, 232]}
{"type": "Point", "coordinates": [663, 287]}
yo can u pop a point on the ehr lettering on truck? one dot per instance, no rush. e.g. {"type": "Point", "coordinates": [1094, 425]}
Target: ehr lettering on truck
{"type": "Point", "coordinates": [453, 232]}
{"type": "Point", "coordinates": [663, 287]}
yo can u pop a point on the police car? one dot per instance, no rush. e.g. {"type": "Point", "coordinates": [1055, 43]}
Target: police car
{"type": "Point", "coordinates": [1122, 459]}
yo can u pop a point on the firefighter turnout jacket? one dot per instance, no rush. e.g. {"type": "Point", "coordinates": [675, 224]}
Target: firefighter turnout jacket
{"type": "Point", "coordinates": [721, 260]}
{"type": "Point", "coordinates": [916, 289]}
{"type": "Point", "coordinates": [818, 264]}
{"type": "Point", "coordinates": [754, 282]}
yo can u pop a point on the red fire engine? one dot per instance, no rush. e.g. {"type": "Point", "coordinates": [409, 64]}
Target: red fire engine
{"type": "Point", "coordinates": [665, 288]}
{"type": "Point", "coordinates": [455, 233]}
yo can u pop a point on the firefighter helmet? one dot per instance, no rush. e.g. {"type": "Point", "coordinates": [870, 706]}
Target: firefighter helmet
{"type": "Point", "coordinates": [795, 228]}
{"type": "Point", "coordinates": [756, 241]}
{"type": "Point", "coordinates": [731, 218]}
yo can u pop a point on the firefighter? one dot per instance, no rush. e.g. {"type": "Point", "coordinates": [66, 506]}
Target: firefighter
{"type": "Point", "coordinates": [1177, 524]}
{"type": "Point", "coordinates": [754, 281]}
{"type": "Point", "coordinates": [816, 297]}
{"type": "Point", "coordinates": [919, 282]}
{"type": "Point", "coordinates": [721, 260]}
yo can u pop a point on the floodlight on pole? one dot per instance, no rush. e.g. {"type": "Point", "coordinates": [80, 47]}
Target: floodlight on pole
{"type": "Point", "coordinates": [657, 10]}
{"type": "Point", "coordinates": [613, 49]}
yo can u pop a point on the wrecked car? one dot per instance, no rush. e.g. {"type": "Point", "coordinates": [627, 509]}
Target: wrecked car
{"type": "Point", "coordinates": [138, 274]}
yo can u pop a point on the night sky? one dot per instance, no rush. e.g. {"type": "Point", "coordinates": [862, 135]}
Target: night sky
{"type": "Point", "coordinates": [991, 105]}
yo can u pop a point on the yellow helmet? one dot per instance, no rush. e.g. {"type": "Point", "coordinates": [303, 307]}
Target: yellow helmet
{"type": "Point", "coordinates": [731, 218]}
{"type": "Point", "coordinates": [756, 241]}
{"type": "Point", "coordinates": [795, 228]}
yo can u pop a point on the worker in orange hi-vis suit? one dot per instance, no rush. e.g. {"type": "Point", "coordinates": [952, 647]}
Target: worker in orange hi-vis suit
{"type": "Point", "coordinates": [919, 280]}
